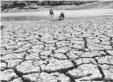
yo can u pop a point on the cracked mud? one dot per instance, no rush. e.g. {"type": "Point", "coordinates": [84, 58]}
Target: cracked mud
{"type": "Point", "coordinates": [53, 51]}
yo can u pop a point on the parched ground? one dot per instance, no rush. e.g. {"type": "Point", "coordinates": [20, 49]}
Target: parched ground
{"type": "Point", "coordinates": [57, 51]}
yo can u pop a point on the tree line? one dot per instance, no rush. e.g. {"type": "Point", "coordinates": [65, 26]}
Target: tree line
{"type": "Point", "coordinates": [21, 4]}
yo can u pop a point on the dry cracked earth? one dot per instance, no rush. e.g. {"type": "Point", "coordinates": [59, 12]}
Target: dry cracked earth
{"type": "Point", "coordinates": [57, 51]}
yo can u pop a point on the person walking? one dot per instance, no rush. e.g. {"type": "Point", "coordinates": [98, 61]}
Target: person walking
{"type": "Point", "coordinates": [51, 13]}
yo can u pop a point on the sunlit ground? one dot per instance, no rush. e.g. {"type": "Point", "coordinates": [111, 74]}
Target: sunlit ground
{"type": "Point", "coordinates": [57, 51]}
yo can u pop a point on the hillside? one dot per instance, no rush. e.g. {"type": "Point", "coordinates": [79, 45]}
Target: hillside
{"type": "Point", "coordinates": [97, 5]}
{"type": "Point", "coordinates": [36, 6]}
